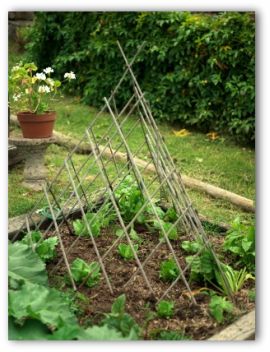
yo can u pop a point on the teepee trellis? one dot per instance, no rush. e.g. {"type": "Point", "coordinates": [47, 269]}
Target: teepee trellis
{"type": "Point", "coordinates": [81, 194]}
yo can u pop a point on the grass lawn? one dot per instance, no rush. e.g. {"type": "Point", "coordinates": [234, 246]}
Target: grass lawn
{"type": "Point", "coordinates": [219, 162]}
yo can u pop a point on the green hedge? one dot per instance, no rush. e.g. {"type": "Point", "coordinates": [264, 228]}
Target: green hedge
{"type": "Point", "coordinates": [196, 68]}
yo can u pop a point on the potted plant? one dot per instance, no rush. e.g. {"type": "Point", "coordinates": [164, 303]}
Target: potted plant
{"type": "Point", "coordinates": [31, 96]}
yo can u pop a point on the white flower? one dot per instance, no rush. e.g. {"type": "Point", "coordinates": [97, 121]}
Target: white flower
{"type": "Point", "coordinates": [44, 89]}
{"type": "Point", "coordinates": [15, 68]}
{"type": "Point", "coordinates": [48, 70]}
{"type": "Point", "coordinates": [70, 75]}
{"type": "Point", "coordinates": [27, 91]}
{"type": "Point", "coordinates": [16, 97]}
{"type": "Point", "coordinates": [50, 81]}
{"type": "Point", "coordinates": [41, 76]}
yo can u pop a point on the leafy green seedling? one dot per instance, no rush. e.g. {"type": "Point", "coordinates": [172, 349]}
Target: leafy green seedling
{"type": "Point", "coordinates": [168, 270]}
{"type": "Point", "coordinates": [121, 321]}
{"type": "Point", "coordinates": [126, 252]}
{"type": "Point", "coordinates": [202, 267]}
{"type": "Point", "coordinates": [129, 197]}
{"type": "Point", "coordinates": [167, 227]}
{"type": "Point", "coordinates": [218, 306]}
{"type": "Point", "coordinates": [106, 215]}
{"type": "Point", "coordinates": [132, 234]}
{"type": "Point", "coordinates": [192, 246]}
{"type": "Point", "coordinates": [165, 309]}
{"type": "Point", "coordinates": [170, 215]}
{"type": "Point", "coordinates": [45, 248]}
{"type": "Point", "coordinates": [81, 271]}
{"type": "Point", "coordinates": [152, 209]}
{"type": "Point", "coordinates": [80, 228]}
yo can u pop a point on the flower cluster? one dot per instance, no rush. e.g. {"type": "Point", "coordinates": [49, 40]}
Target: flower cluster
{"type": "Point", "coordinates": [34, 91]}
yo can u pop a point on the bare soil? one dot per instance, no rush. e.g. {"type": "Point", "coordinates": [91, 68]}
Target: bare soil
{"type": "Point", "coordinates": [191, 319]}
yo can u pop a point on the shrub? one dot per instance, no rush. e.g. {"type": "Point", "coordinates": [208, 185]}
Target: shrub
{"type": "Point", "coordinates": [196, 68]}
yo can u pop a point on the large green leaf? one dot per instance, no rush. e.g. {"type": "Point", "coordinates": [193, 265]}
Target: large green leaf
{"type": "Point", "coordinates": [101, 333]}
{"type": "Point", "coordinates": [24, 265]}
{"type": "Point", "coordinates": [39, 302]}
{"type": "Point", "coordinates": [31, 330]}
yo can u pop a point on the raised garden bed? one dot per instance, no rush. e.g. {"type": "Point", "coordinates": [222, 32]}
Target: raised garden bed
{"type": "Point", "coordinates": [189, 320]}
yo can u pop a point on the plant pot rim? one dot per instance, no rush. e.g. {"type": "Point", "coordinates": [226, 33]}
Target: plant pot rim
{"type": "Point", "coordinates": [34, 113]}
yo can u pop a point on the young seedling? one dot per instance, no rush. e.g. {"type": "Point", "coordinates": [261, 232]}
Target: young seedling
{"type": "Point", "coordinates": [81, 271]}
{"type": "Point", "coordinates": [168, 270]}
{"type": "Point", "coordinates": [218, 306]}
{"type": "Point", "coordinates": [81, 229]}
{"type": "Point", "coordinates": [165, 309]}
{"type": "Point", "coordinates": [129, 197]}
{"type": "Point", "coordinates": [121, 321]}
{"type": "Point", "coordinates": [45, 248]}
{"type": "Point", "coordinates": [167, 227]}
{"type": "Point", "coordinates": [126, 252]}
{"type": "Point", "coordinates": [133, 235]}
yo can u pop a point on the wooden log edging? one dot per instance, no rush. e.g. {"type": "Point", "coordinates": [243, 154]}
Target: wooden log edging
{"type": "Point", "coordinates": [213, 191]}
{"type": "Point", "coordinates": [243, 329]}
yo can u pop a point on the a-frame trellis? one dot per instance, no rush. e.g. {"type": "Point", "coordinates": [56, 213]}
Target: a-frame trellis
{"type": "Point", "coordinates": [74, 191]}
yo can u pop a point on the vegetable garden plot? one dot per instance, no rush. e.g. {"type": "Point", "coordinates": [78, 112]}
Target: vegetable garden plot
{"type": "Point", "coordinates": [116, 228]}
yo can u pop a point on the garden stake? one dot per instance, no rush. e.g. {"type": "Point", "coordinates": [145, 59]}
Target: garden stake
{"type": "Point", "coordinates": [60, 240]}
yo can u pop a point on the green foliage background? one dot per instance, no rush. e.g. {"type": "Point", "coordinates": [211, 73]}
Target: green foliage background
{"type": "Point", "coordinates": [196, 68]}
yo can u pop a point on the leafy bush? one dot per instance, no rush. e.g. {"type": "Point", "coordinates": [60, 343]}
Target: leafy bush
{"type": "Point", "coordinates": [196, 68]}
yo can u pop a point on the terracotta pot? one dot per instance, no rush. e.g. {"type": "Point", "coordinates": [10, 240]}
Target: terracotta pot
{"type": "Point", "coordinates": [36, 125]}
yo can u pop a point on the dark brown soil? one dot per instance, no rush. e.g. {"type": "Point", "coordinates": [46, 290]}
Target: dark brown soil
{"type": "Point", "coordinates": [191, 319]}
